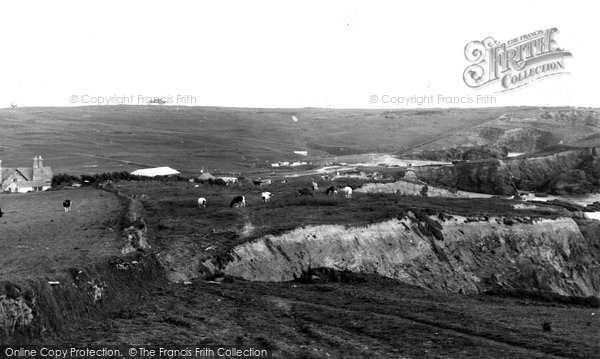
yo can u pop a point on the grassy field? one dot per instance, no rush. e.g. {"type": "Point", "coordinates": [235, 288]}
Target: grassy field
{"type": "Point", "coordinates": [38, 238]}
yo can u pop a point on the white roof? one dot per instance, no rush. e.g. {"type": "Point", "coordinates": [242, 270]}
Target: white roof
{"type": "Point", "coordinates": [157, 171]}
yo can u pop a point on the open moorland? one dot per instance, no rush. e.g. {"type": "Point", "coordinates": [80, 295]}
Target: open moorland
{"type": "Point", "coordinates": [123, 138]}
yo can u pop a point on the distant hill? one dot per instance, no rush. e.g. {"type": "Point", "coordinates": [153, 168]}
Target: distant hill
{"type": "Point", "coordinates": [95, 139]}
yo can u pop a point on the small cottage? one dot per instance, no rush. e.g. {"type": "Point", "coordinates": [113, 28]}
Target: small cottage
{"type": "Point", "coordinates": [26, 179]}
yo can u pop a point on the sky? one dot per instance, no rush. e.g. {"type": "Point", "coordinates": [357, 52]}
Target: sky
{"type": "Point", "coordinates": [334, 54]}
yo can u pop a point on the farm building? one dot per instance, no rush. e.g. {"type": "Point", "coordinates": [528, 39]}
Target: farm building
{"type": "Point", "coordinates": [228, 179]}
{"type": "Point", "coordinates": [205, 176]}
{"type": "Point", "coordinates": [154, 172]}
{"type": "Point", "coordinates": [26, 179]}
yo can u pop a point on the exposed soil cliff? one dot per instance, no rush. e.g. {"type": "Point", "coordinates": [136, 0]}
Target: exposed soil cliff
{"type": "Point", "coordinates": [32, 309]}
{"type": "Point", "coordinates": [451, 253]}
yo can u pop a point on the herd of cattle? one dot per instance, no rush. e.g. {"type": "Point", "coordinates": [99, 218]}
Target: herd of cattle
{"type": "Point", "coordinates": [240, 201]}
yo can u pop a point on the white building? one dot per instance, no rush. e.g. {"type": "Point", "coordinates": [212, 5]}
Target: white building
{"type": "Point", "coordinates": [154, 172]}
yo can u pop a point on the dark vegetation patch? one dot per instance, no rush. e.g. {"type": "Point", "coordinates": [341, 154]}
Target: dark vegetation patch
{"type": "Point", "coordinates": [546, 297]}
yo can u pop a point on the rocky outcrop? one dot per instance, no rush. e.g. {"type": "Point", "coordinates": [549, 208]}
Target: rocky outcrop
{"type": "Point", "coordinates": [487, 142]}
{"type": "Point", "coordinates": [566, 172]}
{"type": "Point", "coordinates": [464, 153]}
{"type": "Point", "coordinates": [593, 207]}
{"type": "Point", "coordinates": [490, 176]}
{"type": "Point", "coordinates": [573, 171]}
{"type": "Point", "coordinates": [407, 188]}
{"type": "Point", "coordinates": [451, 253]}
{"type": "Point", "coordinates": [135, 233]}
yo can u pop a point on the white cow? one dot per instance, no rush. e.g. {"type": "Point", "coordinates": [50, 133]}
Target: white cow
{"type": "Point", "coordinates": [315, 186]}
{"type": "Point", "coordinates": [266, 196]}
{"type": "Point", "coordinates": [202, 202]}
{"type": "Point", "coordinates": [348, 191]}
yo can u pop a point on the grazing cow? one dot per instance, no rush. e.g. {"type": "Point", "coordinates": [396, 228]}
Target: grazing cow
{"type": "Point", "coordinates": [266, 196]}
{"type": "Point", "coordinates": [257, 182]}
{"type": "Point", "coordinates": [67, 205]}
{"type": "Point", "coordinates": [332, 190]}
{"type": "Point", "coordinates": [238, 201]}
{"type": "Point", "coordinates": [202, 202]}
{"type": "Point", "coordinates": [315, 186]}
{"type": "Point", "coordinates": [1, 213]}
{"type": "Point", "coordinates": [305, 192]}
{"type": "Point", "coordinates": [348, 191]}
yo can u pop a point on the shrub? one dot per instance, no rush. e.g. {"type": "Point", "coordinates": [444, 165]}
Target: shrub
{"type": "Point", "coordinates": [63, 179]}
{"type": "Point", "coordinates": [547, 326]}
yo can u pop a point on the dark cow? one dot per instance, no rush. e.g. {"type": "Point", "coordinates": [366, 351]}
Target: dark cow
{"type": "Point", "coordinates": [238, 201]}
{"type": "Point", "coordinates": [305, 192]}
{"type": "Point", "coordinates": [331, 190]}
{"type": "Point", "coordinates": [67, 205]}
{"type": "Point", "coordinates": [1, 213]}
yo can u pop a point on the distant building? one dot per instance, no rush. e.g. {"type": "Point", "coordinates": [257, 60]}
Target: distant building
{"type": "Point", "coordinates": [206, 176]}
{"type": "Point", "coordinates": [26, 179]}
{"type": "Point", "coordinates": [154, 172]}
{"type": "Point", "coordinates": [228, 179]}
